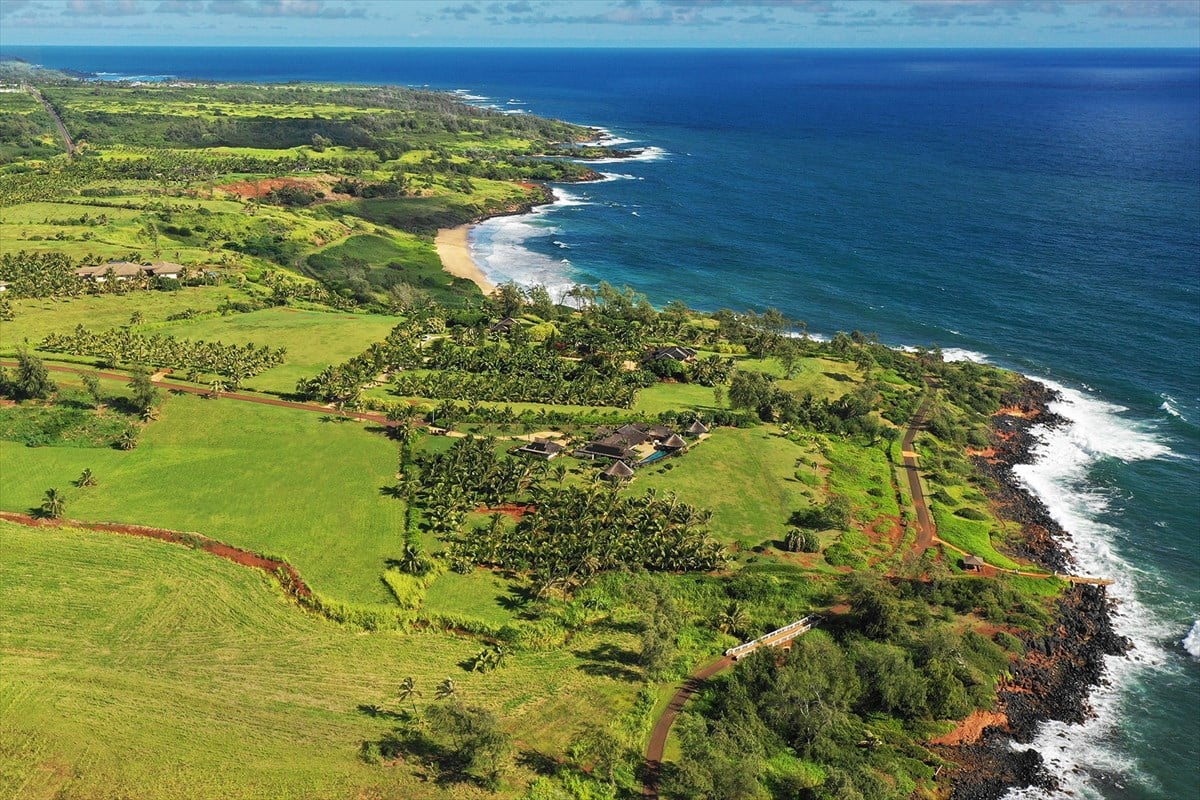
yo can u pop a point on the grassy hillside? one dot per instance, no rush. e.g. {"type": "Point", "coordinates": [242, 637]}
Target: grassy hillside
{"type": "Point", "coordinates": [141, 669]}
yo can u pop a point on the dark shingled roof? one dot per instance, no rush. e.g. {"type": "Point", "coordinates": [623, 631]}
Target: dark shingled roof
{"type": "Point", "coordinates": [618, 469]}
{"type": "Point", "coordinates": [502, 326]}
{"type": "Point", "coordinates": [673, 442]}
{"type": "Point", "coordinates": [542, 447]}
{"type": "Point", "coordinates": [674, 351]}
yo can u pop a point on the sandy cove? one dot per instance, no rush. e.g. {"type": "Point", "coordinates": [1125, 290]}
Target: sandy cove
{"type": "Point", "coordinates": [455, 253]}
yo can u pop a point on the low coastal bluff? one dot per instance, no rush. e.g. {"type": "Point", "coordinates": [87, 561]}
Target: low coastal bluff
{"type": "Point", "coordinates": [1055, 676]}
{"type": "Point", "coordinates": [1051, 682]}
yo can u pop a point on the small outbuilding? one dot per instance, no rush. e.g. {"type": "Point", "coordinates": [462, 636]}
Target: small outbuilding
{"type": "Point", "coordinates": [617, 471]}
{"type": "Point", "coordinates": [503, 326]}
{"type": "Point", "coordinates": [697, 428]}
{"type": "Point", "coordinates": [674, 352]}
{"type": "Point", "coordinates": [672, 443]}
{"type": "Point", "coordinates": [973, 563]}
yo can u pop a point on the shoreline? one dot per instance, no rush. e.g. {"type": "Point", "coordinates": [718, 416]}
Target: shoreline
{"type": "Point", "coordinates": [1056, 679]}
{"type": "Point", "coordinates": [453, 248]}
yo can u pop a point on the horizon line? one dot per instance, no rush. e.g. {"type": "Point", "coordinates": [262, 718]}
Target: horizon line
{"type": "Point", "coordinates": [1190, 48]}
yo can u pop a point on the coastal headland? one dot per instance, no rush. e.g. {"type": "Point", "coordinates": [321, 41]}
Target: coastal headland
{"type": "Point", "coordinates": [521, 524]}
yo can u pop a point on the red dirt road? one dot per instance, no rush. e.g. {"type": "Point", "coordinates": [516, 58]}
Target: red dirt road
{"type": "Point", "coordinates": [925, 528]}
{"type": "Point", "coordinates": [658, 737]}
{"type": "Point", "coordinates": [294, 586]}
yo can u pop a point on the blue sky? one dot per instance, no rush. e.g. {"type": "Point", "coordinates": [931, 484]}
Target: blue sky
{"type": "Point", "coordinates": [605, 23]}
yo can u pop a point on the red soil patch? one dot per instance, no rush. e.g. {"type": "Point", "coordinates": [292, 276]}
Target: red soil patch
{"type": "Point", "coordinates": [970, 729]}
{"type": "Point", "coordinates": [1015, 411]}
{"type": "Point", "coordinates": [514, 510]}
{"type": "Point", "coordinates": [294, 585]}
{"type": "Point", "coordinates": [259, 189]}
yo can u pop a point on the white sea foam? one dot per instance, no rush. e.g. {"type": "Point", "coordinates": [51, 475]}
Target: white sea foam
{"type": "Point", "coordinates": [644, 154]}
{"type": "Point", "coordinates": [617, 176]}
{"type": "Point", "coordinates": [1168, 405]}
{"type": "Point", "coordinates": [499, 246]}
{"type": "Point", "coordinates": [607, 139]}
{"type": "Point", "coordinates": [962, 354]}
{"type": "Point", "coordinates": [1095, 430]}
{"type": "Point", "coordinates": [1191, 642]}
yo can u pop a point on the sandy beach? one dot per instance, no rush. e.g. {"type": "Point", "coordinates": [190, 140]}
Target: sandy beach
{"type": "Point", "coordinates": [452, 249]}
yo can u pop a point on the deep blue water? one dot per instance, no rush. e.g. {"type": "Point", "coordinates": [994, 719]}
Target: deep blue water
{"type": "Point", "coordinates": [1040, 209]}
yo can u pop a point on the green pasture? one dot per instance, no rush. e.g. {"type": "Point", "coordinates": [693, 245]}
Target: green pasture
{"type": "Point", "coordinates": [482, 595]}
{"type": "Point", "coordinates": [34, 318]}
{"type": "Point", "coordinates": [824, 378]}
{"type": "Point", "coordinates": [384, 261]}
{"type": "Point", "coordinates": [674, 397]}
{"type": "Point", "coordinates": [136, 668]}
{"type": "Point", "coordinates": [314, 339]}
{"type": "Point", "coordinates": [440, 208]}
{"type": "Point", "coordinates": [280, 481]}
{"type": "Point", "coordinates": [745, 475]}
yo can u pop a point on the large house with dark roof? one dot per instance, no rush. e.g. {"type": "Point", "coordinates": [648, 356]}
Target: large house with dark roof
{"type": "Point", "coordinates": [674, 352]}
{"type": "Point", "coordinates": [541, 448]}
{"type": "Point", "coordinates": [619, 443]}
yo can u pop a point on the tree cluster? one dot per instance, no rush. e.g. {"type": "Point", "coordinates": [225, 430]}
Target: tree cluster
{"type": "Point", "coordinates": [234, 362]}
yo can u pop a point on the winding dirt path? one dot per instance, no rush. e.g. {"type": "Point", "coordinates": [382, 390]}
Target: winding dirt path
{"type": "Point", "coordinates": [926, 531]}
{"type": "Point", "coordinates": [157, 378]}
{"type": "Point", "coordinates": [662, 728]}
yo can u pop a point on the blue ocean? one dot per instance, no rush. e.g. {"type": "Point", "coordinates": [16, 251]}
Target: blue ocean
{"type": "Point", "coordinates": [1036, 209]}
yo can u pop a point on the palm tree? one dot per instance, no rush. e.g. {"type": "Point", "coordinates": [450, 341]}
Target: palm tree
{"type": "Point", "coordinates": [733, 619]}
{"type": "Point", "coordinates": [54, 504]}
{"type": "Point", "coordinates": [446, 690]}
{"type": "Point", "coordinates": [411, 560]}
{"type": "Point", "coordinates": [85, 479]}
{"type": "Point", "coordinates": [409, 692]}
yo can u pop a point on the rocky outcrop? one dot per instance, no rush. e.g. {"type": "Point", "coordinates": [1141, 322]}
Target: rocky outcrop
{"type": "Point", "coordinates": [1054, 678]}
{"type": "Point", "coordinates": [1042, 539]}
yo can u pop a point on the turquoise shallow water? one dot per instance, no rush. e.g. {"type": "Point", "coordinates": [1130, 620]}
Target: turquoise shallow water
{"type": "Point", "coordinates": [1038, 209]}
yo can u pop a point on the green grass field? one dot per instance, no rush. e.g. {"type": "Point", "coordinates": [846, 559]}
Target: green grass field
{"type": "Point", "coordinates": [744, 475]}
{"type": "Point", "coordinates": [274, 480]}
{"type": "Point", "coordinates": [313, 339]}
{"type": "Point", "coordinates": [34, 318]}
{"type": "Point", "coordinates": [135, 668]}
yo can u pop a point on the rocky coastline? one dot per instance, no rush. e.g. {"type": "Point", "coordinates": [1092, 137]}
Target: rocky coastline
{"type": "Point", "coordinates": [1054, 678]}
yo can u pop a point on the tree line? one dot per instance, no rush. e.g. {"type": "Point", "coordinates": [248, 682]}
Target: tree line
{"type": "Point", "coordinates": [234, 362]}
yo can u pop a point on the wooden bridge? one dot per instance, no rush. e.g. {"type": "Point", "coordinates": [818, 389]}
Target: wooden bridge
{"type": "Point", "coordinates": [775, 638]}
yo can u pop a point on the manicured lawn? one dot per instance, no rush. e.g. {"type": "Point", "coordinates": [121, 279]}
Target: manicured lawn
{"type": "Point", "coordinates": [275, 480]}
{"type": "Point", "coordinates": [674, 397]}
{"type": "Point", "coordinates": [135, 668]}
{"type": "Point", "coordinates": [745, 475]}
{"type": "Point", "coordinates": [314, 339]}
